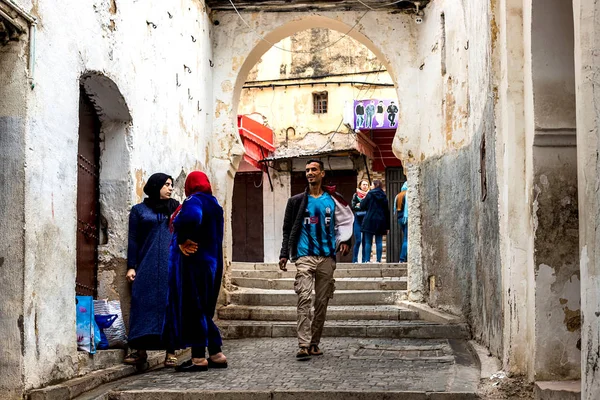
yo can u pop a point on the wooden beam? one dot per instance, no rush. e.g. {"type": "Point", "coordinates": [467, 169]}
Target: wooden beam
{"type": "Point", "coordinates": [307, 5]}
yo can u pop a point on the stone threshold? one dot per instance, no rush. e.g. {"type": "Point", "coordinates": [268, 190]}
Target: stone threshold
{"type": "Point", "coordinates": [430, 314]}
{"type": "Point", "coordinates": [287, 395]}
{"type": "Point", "coordinates": [72, 388]}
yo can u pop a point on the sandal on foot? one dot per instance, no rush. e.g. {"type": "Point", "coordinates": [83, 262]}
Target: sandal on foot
{"type": "Point", "coordinates": [315, 351]}
{"type": "Point", "coordinates": [135, 359]}
{"type": "Point", "coordinates": [170, 361]}
{"type": "Point", "coordinates": [303, 354]}
{"type": "Point", "coordinates": [215, 364]}
{"type": "Point", "coordinates": [189, 366]}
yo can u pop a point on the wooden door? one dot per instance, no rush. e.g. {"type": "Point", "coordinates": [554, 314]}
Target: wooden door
{"type": "Point", "coordinates": [88, 193]}
{"type": "Point", "coordinates": [247, 217]}
{"type": "Point", "coordinates": [345, 183]}
{"type": "Point", "coordinates": [394, 179]}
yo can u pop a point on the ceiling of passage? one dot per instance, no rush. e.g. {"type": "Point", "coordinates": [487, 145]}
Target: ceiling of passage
{"type": "Point", "coordinates": [312, 5]}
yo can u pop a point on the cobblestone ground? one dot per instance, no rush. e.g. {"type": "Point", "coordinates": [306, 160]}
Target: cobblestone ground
{"type": "Point", "coordinates": [355, 365]}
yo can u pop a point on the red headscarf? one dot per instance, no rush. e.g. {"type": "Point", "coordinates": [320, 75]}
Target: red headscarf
{"type": "Point", "coordinates": [196, 182]}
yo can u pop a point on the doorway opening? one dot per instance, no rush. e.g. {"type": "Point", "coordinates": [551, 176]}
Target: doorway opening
{"type": "Point", "coordinates": [247, 217]}
{"type": "Point", "coordinates": [88, 197]}
{"type": "Point", "coordinates": [104, 188]}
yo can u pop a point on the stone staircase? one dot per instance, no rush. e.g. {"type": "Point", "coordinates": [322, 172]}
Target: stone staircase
{"type": "Point", "coordinates": [368, 302]}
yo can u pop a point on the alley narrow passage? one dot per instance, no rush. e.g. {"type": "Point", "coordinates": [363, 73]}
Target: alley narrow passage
{"type": "Point", "coordinates": [376, 345]}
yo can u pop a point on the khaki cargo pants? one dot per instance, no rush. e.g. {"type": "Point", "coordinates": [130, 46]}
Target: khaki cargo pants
{"type": "Point", "coordinates": [317, 272]}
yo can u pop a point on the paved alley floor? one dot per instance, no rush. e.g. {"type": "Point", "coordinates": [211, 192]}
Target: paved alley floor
{"type": "Point", "coordinates": [350, 368]}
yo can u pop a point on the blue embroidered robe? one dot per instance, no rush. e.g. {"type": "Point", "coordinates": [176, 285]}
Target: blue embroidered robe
{"type": "Point", "coordinates": [148, 254]}
{"type": "Point", "coordinates": [195, 280]}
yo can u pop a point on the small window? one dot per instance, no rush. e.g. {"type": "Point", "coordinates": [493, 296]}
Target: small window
{"type": "Point", "coordinates": [320, 102]}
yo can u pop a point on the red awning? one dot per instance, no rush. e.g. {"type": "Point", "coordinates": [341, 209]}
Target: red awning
{"type": "Point", "coordinates": [257, 140]}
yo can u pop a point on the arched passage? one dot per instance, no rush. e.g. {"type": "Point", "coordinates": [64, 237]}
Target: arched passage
{"type": "Point", "coordinates": [238, 48]}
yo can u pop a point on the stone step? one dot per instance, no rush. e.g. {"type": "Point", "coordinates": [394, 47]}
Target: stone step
{"type": "Point", "coordinates": [269, 297]}
{"type": "Point", "coordinates": [365, 329]}
{"type": "Point", "coordinates": [388, 283]}
{"type": "Point", "coordinates": [339, 273]}
{"type": "Point", "coordinates": [557, 390]}
{"type": "Point", "coordinates": [275, 267]}
{"type": "Point", "coordinates": [283, 313]}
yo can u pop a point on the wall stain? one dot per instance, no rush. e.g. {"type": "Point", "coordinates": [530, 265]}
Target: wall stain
{"type": "Point", "coordinates": [221, 107]}
{"type": "Point", "coordinates": [139, 184]}
{"type": "Point", "coordinates": [572, 319]}
{"type": "Point", "coordinates": [449, 106]}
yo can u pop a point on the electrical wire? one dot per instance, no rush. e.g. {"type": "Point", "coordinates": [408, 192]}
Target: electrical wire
{"type": "Point", "coordinates": [296, 51]}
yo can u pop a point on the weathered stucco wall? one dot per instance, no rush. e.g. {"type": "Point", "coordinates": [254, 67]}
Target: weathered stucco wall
{"type": "Point", "coordinates": [13, 111]}
{"type": "Point", "coordinates": [556, 224]}
{"type": "Point", "coordinates": [587, 70]}
{"type": "Point", "coordinates": [511, 66]}
{"type": "Point", "coordinates": [162, 69]}
{"type": "Point", "coordinates": [460, 232]}
{"type": "Point", "coordinates": [298, 58]}
{"type": "Point", "coordinates": [557, 288]}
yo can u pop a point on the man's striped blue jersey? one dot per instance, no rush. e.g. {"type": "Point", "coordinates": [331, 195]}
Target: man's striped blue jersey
{"type": "Point", "coordinates": [317, 236]}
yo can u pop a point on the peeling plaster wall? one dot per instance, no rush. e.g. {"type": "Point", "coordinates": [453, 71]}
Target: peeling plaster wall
{"type": "Point", "coordinates": [171, 113]}
{"type": "Point", "coordinates": [557, 288]}
{"type": "Point", "coordinates": [556, 223]}
{"type": "Point", "coordinates": [587, 70]}
{"type": "Point", "coordinates": [460, 232]}
{"type": "Point", "coordinates": [13, 111]}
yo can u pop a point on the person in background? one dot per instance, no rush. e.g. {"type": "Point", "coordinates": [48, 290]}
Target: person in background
{"type": "Point", "coordinates": [376, 221]}
{"type": "Point", "coordinates": [148, 269]}
{"type": "Point", "coordinates": [195, 274]}
{"type": "Point", "coordinates": [401, 211]}
{"type": "Point", "coordinates": [360, 194]}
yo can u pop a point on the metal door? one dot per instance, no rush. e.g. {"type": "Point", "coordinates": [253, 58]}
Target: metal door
{"type": "Point", "coordinates": [394, 179]}
{"type": "Point", "coordinates": [343, 180]}
{"type": "Point", "coordinates": [247, 217]}
{"type": "Point", "coordinates": [88, 193]}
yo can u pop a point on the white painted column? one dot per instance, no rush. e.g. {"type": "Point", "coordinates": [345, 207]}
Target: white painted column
{"type": "Point", "coordinates": [274, 203]}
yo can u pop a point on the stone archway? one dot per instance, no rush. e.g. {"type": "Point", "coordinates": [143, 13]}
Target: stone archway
{"type": "Point", "coordinates": [238, 48]}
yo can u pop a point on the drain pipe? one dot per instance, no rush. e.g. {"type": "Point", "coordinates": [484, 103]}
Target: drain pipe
{"type": "Point", "coordinates": [32, 31]}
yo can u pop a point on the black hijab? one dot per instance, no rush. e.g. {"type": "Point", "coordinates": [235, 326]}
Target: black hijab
{"type": "Point", "coordinates": [152, 189]}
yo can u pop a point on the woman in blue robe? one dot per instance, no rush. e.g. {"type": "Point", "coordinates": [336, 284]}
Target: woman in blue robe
{"type": "Point", "coordinates": [195, 273]}
{"type": "Point", "coordinates": [148, 268]}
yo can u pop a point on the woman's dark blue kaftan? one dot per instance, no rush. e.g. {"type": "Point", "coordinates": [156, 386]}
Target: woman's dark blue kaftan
{"type": "Point", "coordinates": [148, 254]}
{"type": "Point", "coordinates": [195, 280]}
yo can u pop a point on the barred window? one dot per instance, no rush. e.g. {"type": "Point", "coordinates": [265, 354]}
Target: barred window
{"type": "Point", "coordinates": [320, 102]}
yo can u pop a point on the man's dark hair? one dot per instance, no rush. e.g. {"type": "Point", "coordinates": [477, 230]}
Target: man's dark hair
{"type": "Point", "coordinates": [377, 183]}
{"type": "Point", "coordinates": [321, 165]}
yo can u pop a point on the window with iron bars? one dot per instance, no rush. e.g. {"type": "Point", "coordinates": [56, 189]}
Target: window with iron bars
{"type": "Point", "coordinates": [320, 102]}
